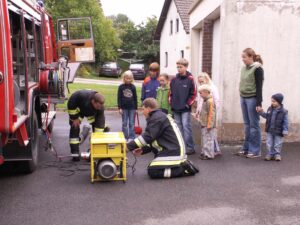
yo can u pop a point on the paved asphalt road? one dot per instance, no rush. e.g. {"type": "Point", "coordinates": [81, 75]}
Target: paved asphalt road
{"type": "Point", "coordinates": [228, 191]}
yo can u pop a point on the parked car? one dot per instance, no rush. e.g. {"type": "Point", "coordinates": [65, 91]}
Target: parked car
{"type": "Point", "coordinates": [138, 71]}
{"type": "Point", "coordinates": [111, 69]}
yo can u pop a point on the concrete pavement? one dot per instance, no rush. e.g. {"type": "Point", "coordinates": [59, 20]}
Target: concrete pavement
{"type": "Point", "coordinates": [229, 190]}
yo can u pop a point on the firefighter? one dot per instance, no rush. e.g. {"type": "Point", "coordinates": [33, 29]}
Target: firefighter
{"type": "Point", "coordinates": [89, 104]}
{"type": "Point", "coordinates": [163, 138]}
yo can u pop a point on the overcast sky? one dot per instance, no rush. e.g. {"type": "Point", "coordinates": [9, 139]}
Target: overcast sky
{"type": "Point", "coordinates": [136, 10]}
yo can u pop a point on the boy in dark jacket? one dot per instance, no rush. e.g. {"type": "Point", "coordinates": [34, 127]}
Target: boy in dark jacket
{"type": "Point", "coordinates": [182, 96]}
{"type": "Point", "coordinates": [276, 127]}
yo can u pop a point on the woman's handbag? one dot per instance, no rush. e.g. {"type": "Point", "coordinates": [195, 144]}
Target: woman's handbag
{"type": "Point", "coordinates": [137, 129]}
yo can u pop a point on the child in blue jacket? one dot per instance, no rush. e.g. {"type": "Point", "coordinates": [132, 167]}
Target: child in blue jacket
{"type": "Point", "coordinates": [151, 83]}
{"type": "Point", "coordinates": [276, 127]}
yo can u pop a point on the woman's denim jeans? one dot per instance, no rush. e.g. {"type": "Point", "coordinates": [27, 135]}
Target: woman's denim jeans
{"type": "Point", "coordinates": [252, 142]}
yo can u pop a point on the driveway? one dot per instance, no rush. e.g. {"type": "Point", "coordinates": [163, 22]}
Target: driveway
{"type": "Point", "coordinates": [229, 190]}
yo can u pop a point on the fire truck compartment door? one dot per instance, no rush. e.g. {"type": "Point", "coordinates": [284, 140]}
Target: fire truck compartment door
{"type": "Point", "coordinates": [75, 39]}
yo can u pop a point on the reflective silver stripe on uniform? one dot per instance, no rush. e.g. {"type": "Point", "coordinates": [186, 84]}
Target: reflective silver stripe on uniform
{"type": "Point", "coordinates": [167, 163]}
{"type": "Point", "coordinates": [99, 129]}
{"type": "Point", "coordinates": [156, 146]}
{"type": "Point", "coordinates": [168, 158]}
{"type": "Point", "coordinates": [73, 111]}
{"type": "Point", "coordinates": [74, 141]}
{"type": "Point", "coordinates": [167, 173]}
{"type": "Point", "coordinates": [91, 119]}
{"type": "Point", "coordinates": [178, 135]}
{"type": "Point", "coordinates": [140, 141]}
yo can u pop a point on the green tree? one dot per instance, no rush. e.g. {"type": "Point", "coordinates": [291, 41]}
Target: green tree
{"type": "Point", "coordinates": [137, 38]}
{"type": "Point", "coordinates": [126, 31]}
{"type": "Point", "coordinates": [105, 37]}
{"type": "Point", "coordinates": [148, 49]}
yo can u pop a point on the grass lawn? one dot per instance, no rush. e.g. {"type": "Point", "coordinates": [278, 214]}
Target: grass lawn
{"type": "Point", "coordinates": [110, 93]}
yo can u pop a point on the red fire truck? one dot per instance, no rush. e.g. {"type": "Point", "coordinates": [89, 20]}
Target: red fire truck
{"type": "Point", "coordinates": [33, 79]}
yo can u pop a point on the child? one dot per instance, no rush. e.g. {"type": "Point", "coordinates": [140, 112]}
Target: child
{"type": "Point", "coordinates": [182, 97]}
{"type": "Point", "coordinates": [127, 103]}
{"type": "Point", "coordinates": [204, 78]}
{"type": "Point", "coordinates": [151, 82]}
{"type": "Point", "coordinates": [208, 124]}
{"type": "Point", "coordinates": [162, 96]}
{"type": "Point", "coordinates": [276, 127]}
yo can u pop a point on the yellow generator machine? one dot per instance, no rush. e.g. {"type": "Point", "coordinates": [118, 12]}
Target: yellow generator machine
{"type": "Point", "coordinates": [108, 156]}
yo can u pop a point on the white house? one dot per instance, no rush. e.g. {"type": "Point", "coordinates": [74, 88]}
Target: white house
{"type": "Point", "coordinates": [221, 29]}
{"type": "Point", "coordinates": [173, 32]}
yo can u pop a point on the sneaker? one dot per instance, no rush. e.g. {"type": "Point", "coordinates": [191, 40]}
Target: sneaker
{"type": "Point", "coordinates": [252, 156]}
{"type": "Point", "coordinates": [204, 157]}
{"type": "Point", "coordinates": [241, 153]}
{"type": "Point", "coordinates": [268, 158]}
{"type": "Point", "coordinates": [190, 152]}
{"type": "Point", "coordinates": [277, 157]}
{"type": "Point", "coordinates": [218, 153]}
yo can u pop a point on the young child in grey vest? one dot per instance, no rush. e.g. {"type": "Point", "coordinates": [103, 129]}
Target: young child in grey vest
{"type": "Point", "coordinates": [276, 127]}
{"type": "Point", "coordinates": [208, 124]}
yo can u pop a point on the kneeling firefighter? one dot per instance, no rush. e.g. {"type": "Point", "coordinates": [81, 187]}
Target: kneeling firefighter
{"type": "Point", "coordinates": [84, 103]}
{"type": "Point", "coordinates": [163, 138]}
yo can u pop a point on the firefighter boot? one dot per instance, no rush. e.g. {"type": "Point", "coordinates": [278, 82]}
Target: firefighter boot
{"type": "Point", "coordinates": [75, 152]}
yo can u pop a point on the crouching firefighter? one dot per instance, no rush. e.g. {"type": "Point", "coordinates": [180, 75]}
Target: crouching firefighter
{"type": "Point", "coordinates": [84, 103]}
{"type": "Point", "coordinates": [163, 138]}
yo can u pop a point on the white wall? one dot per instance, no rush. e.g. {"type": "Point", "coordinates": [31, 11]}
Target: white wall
{"type": "Point", "coordinates": [207, 9]}
{"type": "Point", "coordinates": [216, 53]}
{"type": "Point", "coordinates": [203, 10]}
{"type": "Point", "coordinates": [272, 30]}
{"type": "Point", "coordinates": [173, 44]}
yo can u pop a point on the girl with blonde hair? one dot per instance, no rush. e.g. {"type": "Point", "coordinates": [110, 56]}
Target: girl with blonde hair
{"type": "Point", "coordinates": [204, 78]}
{"type": "Point", "coordinates": [127, 104]}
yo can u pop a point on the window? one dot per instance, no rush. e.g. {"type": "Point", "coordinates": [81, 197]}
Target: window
{"type": "Point", "coordinates": [171, 27]}
{"type": "Point", "coordinates": [182, 53]}
{"type": "Point", "coordinates": [166, 59]}
{"type": "Point", "coordinates": [74, 29]}
{"type": "Point", "coordinates": [31, 50]}
{"type": "Point", "coordinates": [177, 25]}
{"type": "Point", "coordinates": [17, 42]}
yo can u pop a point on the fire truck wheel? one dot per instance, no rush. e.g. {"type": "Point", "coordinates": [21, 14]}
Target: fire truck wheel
{"type": "Point", "coordinates": [30, 166]}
